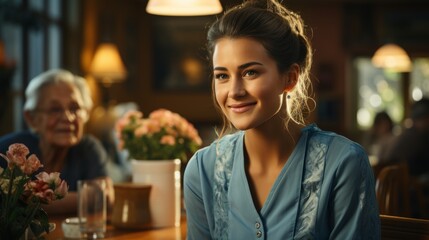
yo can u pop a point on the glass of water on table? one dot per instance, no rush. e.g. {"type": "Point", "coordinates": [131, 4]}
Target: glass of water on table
{"type": "Point", "coordinates": [92, 208]}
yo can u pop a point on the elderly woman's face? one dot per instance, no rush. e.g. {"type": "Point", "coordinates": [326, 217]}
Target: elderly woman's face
{"type": "Point", "coordinates": [60, 116]}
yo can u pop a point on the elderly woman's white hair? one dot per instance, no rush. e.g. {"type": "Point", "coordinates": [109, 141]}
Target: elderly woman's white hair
{"type": "Point", "coordinates": [54, 76]}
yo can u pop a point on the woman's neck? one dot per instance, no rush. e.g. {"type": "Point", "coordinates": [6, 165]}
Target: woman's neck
{"type": "Point", "coordinates": [266, 151]}
{"type": "Point", "coordinates": [53, 157]}
{"type": "Point", "coordinates": [272, 144]}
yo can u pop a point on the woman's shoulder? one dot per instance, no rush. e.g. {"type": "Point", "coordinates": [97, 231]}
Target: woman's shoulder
{"type": "Point", "coordinates": [90, 146]}
{"type": "Point", "coordinates": [224, 144]}
{"type": "Point", "coordinates": [25, 137]}
{"type": "Point", "coordinates": [337, 141]}
{"type": "Point", "coordinates": [89, 141]}
{"type": "Point", "coordinates": [342, 156]}
{"type": "Point", "coordinates": [206, 156]}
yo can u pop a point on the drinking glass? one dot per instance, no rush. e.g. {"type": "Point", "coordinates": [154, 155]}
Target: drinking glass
{"type": "Point", "coordinates": [92, 208]}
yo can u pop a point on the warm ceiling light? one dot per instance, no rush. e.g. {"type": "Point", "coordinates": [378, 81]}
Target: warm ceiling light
{"type": "Point", "coordinates": [392, 57]}
{"type": "Point", "coordinates": [184, 7]}
{"type": "Point", "coordinates": [107, 66]}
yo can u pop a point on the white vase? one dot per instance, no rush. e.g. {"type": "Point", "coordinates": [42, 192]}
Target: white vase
{"type": "Point", "coordinates": [165, 194]}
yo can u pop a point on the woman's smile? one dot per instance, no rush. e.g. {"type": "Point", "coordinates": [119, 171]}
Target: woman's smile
{"type": "Point", "coordinates": [248, 86]}
{"type": "Point", "coordinates": [241, 107]}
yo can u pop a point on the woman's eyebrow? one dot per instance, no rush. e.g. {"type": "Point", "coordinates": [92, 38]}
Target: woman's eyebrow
{"type": "Point", "coordinates": [246, 65]}
{"type": "Point", "coordinates": [243, 66]}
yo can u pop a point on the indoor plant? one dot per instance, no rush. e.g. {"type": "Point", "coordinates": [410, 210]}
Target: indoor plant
{"type": "Point", "coordinates": [157, 145]}
{"type": "Point", "coordinates": [22, 197]}
{"type": "Point", "coordinates": [163, 135]}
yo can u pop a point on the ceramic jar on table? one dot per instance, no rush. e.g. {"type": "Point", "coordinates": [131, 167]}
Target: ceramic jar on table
{"type": "Point", "coordinates": [165, 193]}
{"type": "Point", "coordinates": [131, 209]}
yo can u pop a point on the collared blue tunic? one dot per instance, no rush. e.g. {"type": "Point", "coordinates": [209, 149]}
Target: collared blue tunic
{"type": "Point", "coordinates": [325, 190]}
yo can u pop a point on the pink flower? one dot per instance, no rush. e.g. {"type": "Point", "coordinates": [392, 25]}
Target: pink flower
{"type": "Point", "coordinates": [152, 126]}
{"type": "Point", "coordinates": [162, 135]}
{"type": "Point", "coordinates": [48, 187]}
{"type": "Point", "coordinates": [16, 154]}
{"type": "Point", "coordinates": [168, 140]}
{"type": "Point", "coordinates": [172, 131]}
{"type": "Point", "coordinates": [16, 186]}
{"type": "Point", "coordinates": [31, 165]}
{"type": "Point", "coordinates": [45, 195]}
{"type": "Point", "coordinates": [141, 130]}
{"type": "Point", "coordinates": [62, 189]}
{"type": "Point", "coordinates": [50, 178]}
{"type": "Point", "coordinates": [127, 119]}
{"type": "Point", "coordinates": [159, 114]}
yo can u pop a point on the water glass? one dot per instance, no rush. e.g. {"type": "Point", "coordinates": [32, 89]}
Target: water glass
{"type": "Point", "coordinates": [92, 208]}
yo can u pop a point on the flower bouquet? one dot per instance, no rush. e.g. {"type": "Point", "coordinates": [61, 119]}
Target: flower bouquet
{"type": "Point", "coordinates": [157, 146]}
{"type": "Point", "coordinates": [21, 196]}
{"type": "Point", "coordinates": [163, 135]}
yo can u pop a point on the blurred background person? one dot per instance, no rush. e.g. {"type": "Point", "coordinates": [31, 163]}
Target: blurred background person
{"type": "Point", "coordinates": [56, 109]}
{"type": "Point", "coordinates": [380, 137]}
{"type": "Point", "coordinates": [412, 145]}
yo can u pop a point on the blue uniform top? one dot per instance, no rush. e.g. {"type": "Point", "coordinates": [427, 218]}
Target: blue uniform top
{"type": "Point", "coordinates": [325, 190]}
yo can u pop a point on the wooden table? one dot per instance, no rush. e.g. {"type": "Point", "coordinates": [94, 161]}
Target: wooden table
{"type": "Point", "coordinates": [171, 233]}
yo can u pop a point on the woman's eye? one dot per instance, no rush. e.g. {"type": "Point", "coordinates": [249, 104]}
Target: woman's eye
{"type": "Point", "coordinates": [250, 73]}
{"type": "Point", "coordinates": [221, 76]}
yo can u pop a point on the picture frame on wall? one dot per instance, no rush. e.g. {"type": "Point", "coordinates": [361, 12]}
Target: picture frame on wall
{"type": "Point", "coordinates": [180, 61]}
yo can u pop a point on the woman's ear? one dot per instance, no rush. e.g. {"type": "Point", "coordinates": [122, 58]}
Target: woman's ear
{"type": "Point", "coordinates": [291, 77]}
{"type": "Point", "coordinates": [30, 119]}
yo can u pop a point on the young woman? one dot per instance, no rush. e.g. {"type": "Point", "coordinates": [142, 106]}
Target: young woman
{"type": "Point", "coordinates": [269, 175]}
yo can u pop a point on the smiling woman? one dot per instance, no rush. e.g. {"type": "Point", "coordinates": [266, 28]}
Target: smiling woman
{"type": "Point", "coordinates": [59, 114]}
{"type": "Point", "coordinates": [271, 174]}
{"type": "Point", "coordinates": [56, 109]}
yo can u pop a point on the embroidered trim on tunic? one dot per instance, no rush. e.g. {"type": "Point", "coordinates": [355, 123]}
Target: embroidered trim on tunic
{"type": "Point", "coordinates": [312, 181]}
{"type": "Point", "coordinates": [222, 174]}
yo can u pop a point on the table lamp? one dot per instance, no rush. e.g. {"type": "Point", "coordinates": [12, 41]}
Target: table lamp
{"type": "Point", "coordinates": [107, 67]}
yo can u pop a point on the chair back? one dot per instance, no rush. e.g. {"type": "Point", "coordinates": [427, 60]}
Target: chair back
{"type": "Point", "coordinates": [392, 190]}
{"type": "Point", "coordinates": [393, 227]}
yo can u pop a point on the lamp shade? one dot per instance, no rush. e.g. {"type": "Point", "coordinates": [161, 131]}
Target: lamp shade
{"type": "Point", "coordinates": [183, 7]}
{"type": "Point", "coordinates": [107, 66]}
{"type": "Point", "coordinates": [392, 57]}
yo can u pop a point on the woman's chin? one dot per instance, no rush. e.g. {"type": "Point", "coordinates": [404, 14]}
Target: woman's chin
{"type": "Point", "coordinates": [66, 142]}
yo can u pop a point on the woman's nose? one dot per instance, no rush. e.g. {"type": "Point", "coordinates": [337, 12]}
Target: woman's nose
{"type": "Point", "coordinates": [70, 116]}
{"type": "Point", "coordinates": [237, 88]}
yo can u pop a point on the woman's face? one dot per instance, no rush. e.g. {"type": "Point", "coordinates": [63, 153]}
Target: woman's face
{"type": "Point", "coordinates": [248, 86]}
{"type": "Point", "coordinates": [59, 117]}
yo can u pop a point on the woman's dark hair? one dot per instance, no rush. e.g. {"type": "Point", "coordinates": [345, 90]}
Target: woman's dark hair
{"type": "Point", "coordinates": [281, 32]}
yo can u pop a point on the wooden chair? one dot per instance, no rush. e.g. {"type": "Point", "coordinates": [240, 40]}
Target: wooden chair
{"type": "Point", "coordinates": [392, 190]}
{"type": "Point", "coordinates": [395, 228]}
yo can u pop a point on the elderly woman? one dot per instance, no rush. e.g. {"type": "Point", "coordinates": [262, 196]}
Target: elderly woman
{"type": "Point", "coordinates": [56, 109]}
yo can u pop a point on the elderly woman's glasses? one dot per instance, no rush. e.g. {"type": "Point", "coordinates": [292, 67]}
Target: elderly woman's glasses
{"type": "Point", "coordinates": [57, 112]}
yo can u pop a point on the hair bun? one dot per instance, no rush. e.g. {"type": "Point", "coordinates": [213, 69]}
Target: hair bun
{"type": "Point", "coordinates": [262, 4]}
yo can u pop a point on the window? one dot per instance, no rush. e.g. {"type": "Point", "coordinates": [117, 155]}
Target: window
{"type": "Point", "coordinates": [419, 86]}
{"type": "Point", "coordinates": [32, 36]}
{"type": "Point", "coordinates": [380, 90]}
